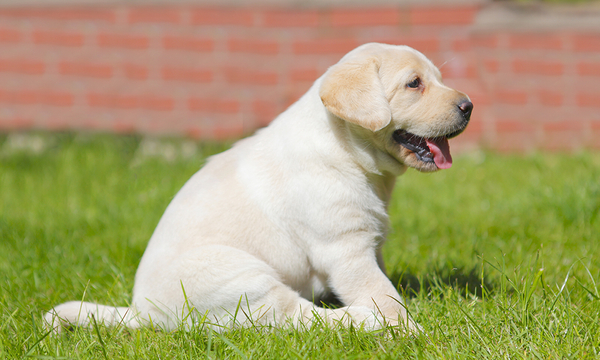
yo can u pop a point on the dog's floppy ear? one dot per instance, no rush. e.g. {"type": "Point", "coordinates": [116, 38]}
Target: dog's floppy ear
{"type": "Point", "coordinates": [352, 91]}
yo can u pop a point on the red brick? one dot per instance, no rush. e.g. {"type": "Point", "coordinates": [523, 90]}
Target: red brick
{"type": "Point", "coordinates": [561, 140]}
{"type": "Point", "coordinates": [252, 77]}
{"type": "Point", "coordinates": [594, 138]}
{"type": "Point", "coordinates": [5, 96]}
{"type": "Point", "coordinates": [422, 44]}
{"type": "Point", "coordinates": [550, 98]}
{"type": "Point", "coordinates": [535, 41]}
{"type": "Point", "coordinates": [283, 18]}
{"type": "Point", "coordinates": [474, 129]}
{"type": "Point", "coordinates": [428, 45]}
{"type": "Point", "coordinates": [189, 43]}
{"type": "Point", "coordinates": [22, 66]}
{"type": "Point", "coordinates": [55, 124]}
{"type": "Point", "coordinates": [586, 42]}
{"type": "Point", "coordinates": [187, 74]}
{"type": "Point", "coordinates": [588, 100]}
{"type": "Point", "coordinates": [514, 142]}
{"type": "Point", "coordinates": [588, 68]}
{"type": "Point", "coordinates": [324, 46]}
{"type": "Point", "coordinates": [458, 15]}
{"type": "Point", "coordinates": [300, 75]}
{"type": "Point", "coordinates": [61, 13]}
{"type": "Point", "coordinates": [123, 41]}
{"type": "Point", "coordinates": [295, 94]}
{"type": "Point", "coordinates": [10, 35]}
{"type": "Point", "coordinates": [153, 15]}
{"type": "Point", "coordinates": [26, 97]}
{"type": "Point", "coordinates": [489, 41]}
{"type": "Point", "coordinates": [214, 105]}
{"type": "Point", "coordinates": [565, 134]}
{"type": "Point", "coordinates": [85, 69]}
{"type": "Point", "coordinates": [522, 66]}
{"type": "Point", "coordinates": [563, 126]}
{"type": "Point", "coordinates": [461, 45]}
{"type": "Point", "coordinates": [504, 126]}
{"type": "Point", "coordinates": [16, 123]}
{"type": "Point", "coordinates": [136, 72]}
{"type": "Point", "coordinates": [491, 65]}
{"type": "Point", "coordinates": [158, 103]}
{"type": "Point", "coordinates": [365, 17]}
{"type": "Point", "coordinates": [265, 111]}
{"type": "Point", "coordinates": [195, 132]}
{"type": "Point", "coordinates": [515, 97]}
{"type": "Point", "coordinates": [113, 101]}
{"type": "Point", "coordinates": [91, 124]}
{"type": "Point", "coordinates": [57, 98]}
{"type": "Point", "coordinates": [452, 72]}
{"type": "Point", "coordinates": [123, 101]}
{"type": "Point", "coordinates": [228, 130]}
{"type": "Point", "coordinates": [123, 127]}
{"type": "Point", "coordinates": [45, 97]}
{"type": "Point", "coordinates": [60, 38]}
{"type": "Point", "coordinates": [478, 96]}
{"type": "Point", "coordinates": [232, 16]}
{"type": "Point", "coordinates": [253, 46]}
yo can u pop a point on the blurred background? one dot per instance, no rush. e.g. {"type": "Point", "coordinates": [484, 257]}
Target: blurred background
{"type": "Point", "coordinates": [221, 69]}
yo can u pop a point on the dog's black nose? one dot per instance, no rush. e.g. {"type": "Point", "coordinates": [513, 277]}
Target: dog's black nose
{"type": "Point", "coordinates": [466, 108]}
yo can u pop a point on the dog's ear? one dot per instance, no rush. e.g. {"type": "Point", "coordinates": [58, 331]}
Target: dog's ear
{"type": "Point", "coordinates": [352, 91]}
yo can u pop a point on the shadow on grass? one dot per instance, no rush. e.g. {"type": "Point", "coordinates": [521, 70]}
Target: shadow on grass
{"type": "Point", "coordinates": [462, 279]}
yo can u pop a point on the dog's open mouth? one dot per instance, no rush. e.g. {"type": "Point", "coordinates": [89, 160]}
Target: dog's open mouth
{"type": "Point", "coordinates": [436, 150]}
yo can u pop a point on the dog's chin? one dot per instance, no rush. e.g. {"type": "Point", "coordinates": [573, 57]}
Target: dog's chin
{"type": "Point", "coordinates": [411, 159]}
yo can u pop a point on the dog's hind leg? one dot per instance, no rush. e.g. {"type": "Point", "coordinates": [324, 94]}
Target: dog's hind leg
{"type": "Point", "coordinates": [288, 307]}
{"type": "Point", "coordinates": [225, 287]}
{"type": "Point", "coordinates": [81, 313]}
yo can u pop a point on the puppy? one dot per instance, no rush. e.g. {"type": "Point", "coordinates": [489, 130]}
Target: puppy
{"type": "Point", "coordinates": [299, 210]}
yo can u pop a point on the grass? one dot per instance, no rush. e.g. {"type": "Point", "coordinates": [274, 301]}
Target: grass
{"type": "Point", "coordinates": [497, 256]}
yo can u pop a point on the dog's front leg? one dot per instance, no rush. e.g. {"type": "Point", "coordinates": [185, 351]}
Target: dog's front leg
{"type": "Point", "coordinates": [358, 280]}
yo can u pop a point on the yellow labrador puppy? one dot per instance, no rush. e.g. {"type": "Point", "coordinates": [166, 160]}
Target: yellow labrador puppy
{"type": "Point", "coordinates": [298, 210]}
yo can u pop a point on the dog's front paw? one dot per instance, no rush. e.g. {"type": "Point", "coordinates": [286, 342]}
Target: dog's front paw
{"type": "Point", "coordinates": [360, 316]}
{"type": "Point", "coordinates": [401, 323]}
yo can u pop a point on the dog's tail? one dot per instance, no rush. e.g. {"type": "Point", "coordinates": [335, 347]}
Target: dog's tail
{"type": "Point", "coordinates": [81, 313]}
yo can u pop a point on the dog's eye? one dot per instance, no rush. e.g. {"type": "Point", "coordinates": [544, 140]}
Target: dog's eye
{"type": "Point", "coordinates": [414, 84]}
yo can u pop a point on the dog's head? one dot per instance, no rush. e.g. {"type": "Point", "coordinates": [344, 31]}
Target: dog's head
{"type": "Point", "coordinates": [395, 96]}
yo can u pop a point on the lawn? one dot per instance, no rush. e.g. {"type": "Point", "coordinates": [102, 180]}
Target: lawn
{"type": "Point", "coordinates": [498, 256]}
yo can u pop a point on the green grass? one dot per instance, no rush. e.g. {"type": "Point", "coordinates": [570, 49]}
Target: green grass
{"type": "Point", "coordinates": [76, 216]}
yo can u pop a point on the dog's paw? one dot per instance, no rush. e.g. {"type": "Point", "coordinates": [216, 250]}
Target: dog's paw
{"type": "Point", "coordinates": [359, 316]}
{"type": "Point", "coordinates": [53, 322]}
{"type": "Point", "coordinates": [400, 324]}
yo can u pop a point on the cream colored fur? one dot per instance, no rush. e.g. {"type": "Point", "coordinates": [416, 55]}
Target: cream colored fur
{"type": "Point", "coordinates": [294, 212]}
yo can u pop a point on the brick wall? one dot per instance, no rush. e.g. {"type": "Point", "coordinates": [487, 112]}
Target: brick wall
{"type": "Point", "coordinates": [541, 90]}
{"type": "Point", "coordinates": [218, 72]}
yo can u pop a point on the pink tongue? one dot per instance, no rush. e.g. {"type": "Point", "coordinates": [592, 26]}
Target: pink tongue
{"type": "Point", "coordinates": [441, 152]}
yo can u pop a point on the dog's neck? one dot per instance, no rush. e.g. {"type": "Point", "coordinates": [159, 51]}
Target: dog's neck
{"type": "Point", "coordinates": [358, 142]}
{"type": "Point", "coordinates": [379, 168]}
